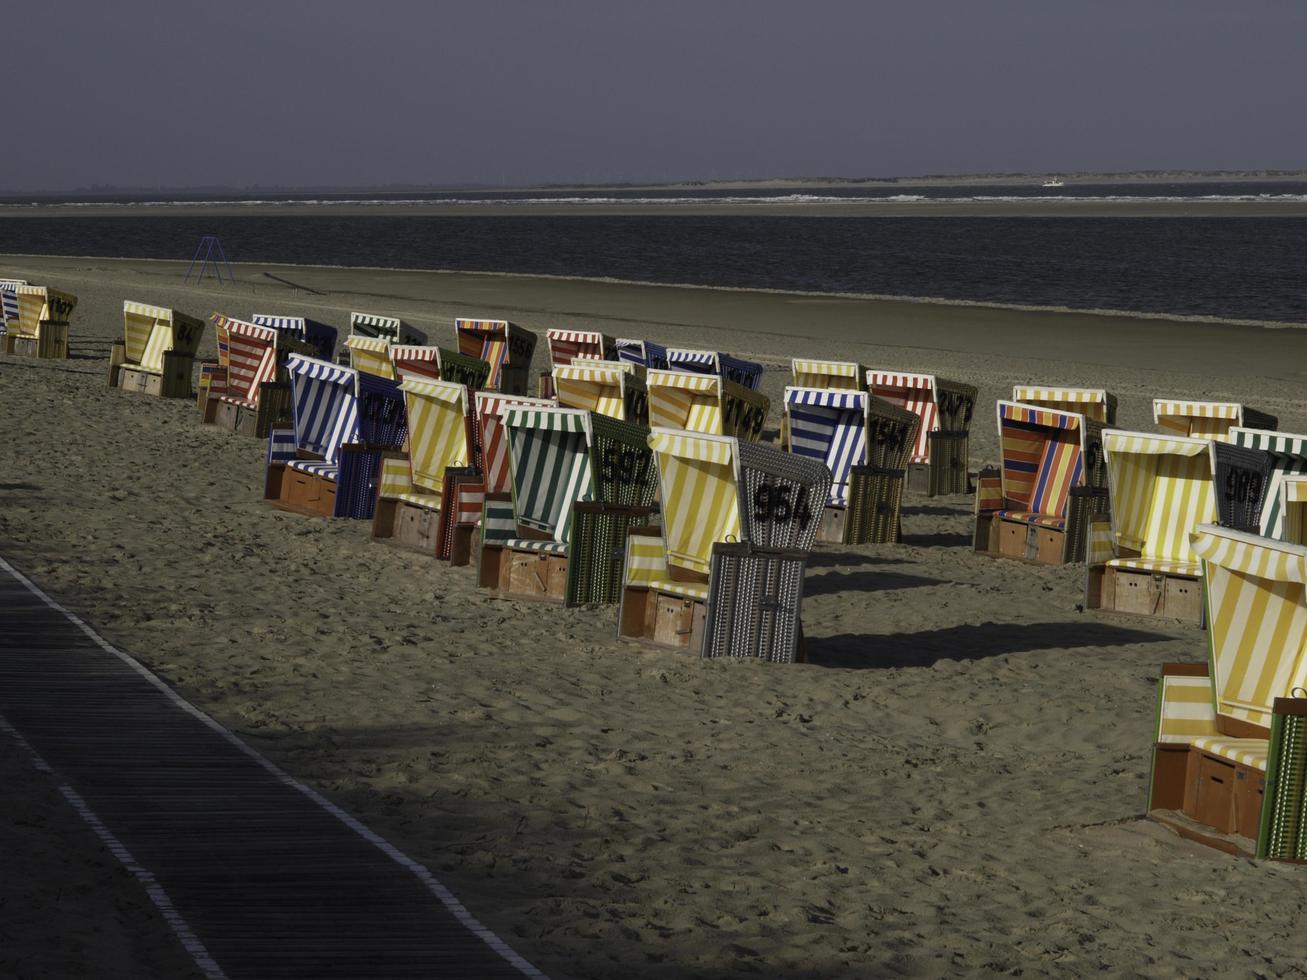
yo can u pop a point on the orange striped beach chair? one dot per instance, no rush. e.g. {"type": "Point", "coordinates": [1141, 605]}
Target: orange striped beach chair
{"type": "Point", "coordinates": [940, 459]}
{"type": "Point", "coordinates": [1229, 754]}
{"type": "Point", "coordinates": [1038, 506]}
{"type": "Point", "coordinates": [505, 346]}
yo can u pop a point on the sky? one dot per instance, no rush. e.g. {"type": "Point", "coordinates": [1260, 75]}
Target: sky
{"type": "Point", "coordinates": [514, 92]}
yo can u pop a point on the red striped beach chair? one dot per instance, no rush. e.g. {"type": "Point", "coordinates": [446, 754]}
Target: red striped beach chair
{"type": "Point", "coordinates": [505, 346]}
{"type": "Point", "coordinates": [1140, 560]}
{"type": "Point", "coordinates": [157, 353]}
{"type": "Point", "coordinates": [1038, 506]}
{"type": "Point", "coordinates": [250, 396]}
{"type": "Point", "coordinates": [1230, 736]}
{"type": "Point", "coordinates": [421, 362]}
{"type": "Point", "coordinates": [940, 459]}
{"type": "Point", "coordinates": [567, 346]}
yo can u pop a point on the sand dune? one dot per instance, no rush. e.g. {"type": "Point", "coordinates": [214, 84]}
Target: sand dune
{"type": "Point", "coordinates": [953, 784]}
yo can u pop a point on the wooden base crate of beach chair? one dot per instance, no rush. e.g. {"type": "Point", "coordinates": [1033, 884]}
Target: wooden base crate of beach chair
{"type": "Point", "coordinates": [408, 518]}
{"type": "Point", "coordinates": [255, 421]}
{"type": "Point", "coordinates": [49, 342]}
{"type": "Point", "coordinates": [1147, 591]}
{"type": "Point", "coordinates": [173, 381]}
{"type": "Point", "coordinates": [754, 603]}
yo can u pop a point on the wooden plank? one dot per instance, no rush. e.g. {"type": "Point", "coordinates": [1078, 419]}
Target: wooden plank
{"type": "Point", "coordinates": [270, 880]}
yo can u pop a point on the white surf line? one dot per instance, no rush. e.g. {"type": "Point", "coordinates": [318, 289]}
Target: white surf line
{"type": "Point", "coordinates": [180, 927]}
{"type": "Point", "coordinates": [420, 871]}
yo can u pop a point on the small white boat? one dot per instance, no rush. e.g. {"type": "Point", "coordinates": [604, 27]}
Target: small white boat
{"type": "Point", "coordinates": [1051, 182]}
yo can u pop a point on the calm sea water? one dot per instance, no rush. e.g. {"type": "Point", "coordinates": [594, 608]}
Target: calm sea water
{"type": "Point", "coordinates": [1236, 267]}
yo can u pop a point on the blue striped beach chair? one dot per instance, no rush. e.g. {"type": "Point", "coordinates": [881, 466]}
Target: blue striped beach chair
{"type": "Point", "coordinates": [319, 338]}
{"type": "Point", "coordinates": [742, 372]}
{"type": "Point", "coordinates": [579, 481]}
{"type": "Point", "coordinates": [1140, 559]}
{"type": "Point", "coordinates": [322, 464]}
{"type": "Point", "coordinates": [643, 353]}
{"type": "Point", "coordinates": [9, 303]}
{"type": "Point", "coordinates": [865, 442]}
{"type": "Point", "coordinates": [1230, 736]}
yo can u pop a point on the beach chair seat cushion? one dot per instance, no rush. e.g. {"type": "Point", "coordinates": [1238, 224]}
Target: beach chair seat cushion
{"type": "Point", "coordinates": [1158, 566]}
{"type": "Point", "coordinates": [1030, 517]}
{"type": "Point", "coordinates": [535, 544]}
{"type": "Point", "coordinates": [1250, 752]}
{"type": "Point", "coordinates": [239, 401]}
{"type": "Point", "coordinates": [315, 467]}
{"type": "Point", "coordinates": [431, 501]}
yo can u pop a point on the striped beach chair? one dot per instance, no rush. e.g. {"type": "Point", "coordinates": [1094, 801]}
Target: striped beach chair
{"type": "Point", "coordinates": [1052, 479]}
{"type": "Point", "coordinates": [324, 464]}
{"type": "Point", "coordinates": [568, 346]}
{"type": "Point", "coordinates": [718, 491]}
{"type": "Point", "coordinates": [422, 362]}
{"type": "Point", "coordinates": [505, 346]}
{"type": "Point", "coordinates": [736, 369]}
{"type": "Point", "coordinates": [157, 353]}
{"type": "Point", "coordinates": [319, 339]}
{"type": "Point", "coordinates": [608, 388]}
{"type": "Point", "coordinates": [864, 441]}
{"type": "Point", "coordinates": [643, 353]}
{"type": "Point", "coordinates": [941, 458]}
{"type": "Point", "coordinates": [249, 396]}
{"type": "Point", "coordinates": [40, 328]}
{"type": "Point", "coordinates": [1230, 737]}
{"type": "Point", "coordinates": [368, 347]}
{"type": "Point", "coordinates": [1161, 489]}
{"type": "Point", "coordinates": [1092, 403]}
{"type": "Point", "coordinates": [390, 328]}
{"type": "Point", "coordinates": [1293, 510]}
{"type": "Point", "coordinates": [1288, 456]}
{"type": "Point", "coordinates": [579, 481]}
{"type": "Point", "coordinates": [9, 303]}
{"type": "Point", "coordinates": [843, 375]}
{"type": "Point", "coordinates": [411, 489]}
{"type": "Point", "coordinates": [705, 403]}
{"type": "Point", "coordinates": [1207, 420]}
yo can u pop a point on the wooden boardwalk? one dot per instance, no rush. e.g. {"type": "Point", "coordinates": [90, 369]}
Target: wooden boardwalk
{"type": "Point", "coordinates": [258, 875]}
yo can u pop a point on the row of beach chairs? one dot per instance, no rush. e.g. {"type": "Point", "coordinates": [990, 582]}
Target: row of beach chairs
{"type": "Point", "coordinates": [635, 483]}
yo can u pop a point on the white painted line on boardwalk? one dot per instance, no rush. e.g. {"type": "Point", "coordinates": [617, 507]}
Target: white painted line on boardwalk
{"type": "Point", "coordinates": [423, 874]}
{"type": "Point", "coordinates": [180, 927]}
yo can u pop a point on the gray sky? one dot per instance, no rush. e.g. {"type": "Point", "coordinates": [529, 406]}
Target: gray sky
{"type": "Point", "coordinates": [230, 92]}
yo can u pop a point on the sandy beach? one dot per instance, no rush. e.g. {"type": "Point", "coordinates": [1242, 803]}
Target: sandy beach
{"type": "Point", "coordinates": [953, 784]}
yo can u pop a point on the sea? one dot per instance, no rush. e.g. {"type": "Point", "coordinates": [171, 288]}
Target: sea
{"type": "Point", "coordinates": [1235, 268]}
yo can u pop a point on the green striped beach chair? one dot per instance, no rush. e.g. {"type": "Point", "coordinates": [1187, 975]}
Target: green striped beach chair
{"type": "Point", "coordinates": [1229, 762]}
{"type": "Point", "coordinates": [579, 481]}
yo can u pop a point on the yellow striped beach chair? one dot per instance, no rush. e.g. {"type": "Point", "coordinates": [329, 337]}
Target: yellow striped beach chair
{"type": "Point", "coordinates": [611, 388]}
{"type": "Point", "coordinates": [1052, 479]}
{"type": "Point", "coordinates": [157, 353]}
{"type": "Point", "coordinates": [40, 326]}
{"type": "Point", "coordinates": [705, 403]}
{"type": "Point", "coordinates": [411, 487]}
{"type": "Point", "coordinates": [1161, 489]}
{"type": "Point", "coordinates": [371, 337]}
{"type": "Point", "coordinates": [1092, 403]}
{"type": "Point", "coordinates": [423, 362]}
{"type": "Point", "coordinates": [505, 346]}
{"type": "Point", "coordinates": [719, 491]}
{"type": "Point", "coordinates": [579, 481]}
{"type": "Point", "coordinates": [941, 458]}
{"type": "Point", "coordinates": [841, 375]}
{"type": "Point", "coordinates": [1230, 737]}
{"type": "Point", "coordinates": [1207, 420]}
{"type": "Point", "coordinates": [568, 346]}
